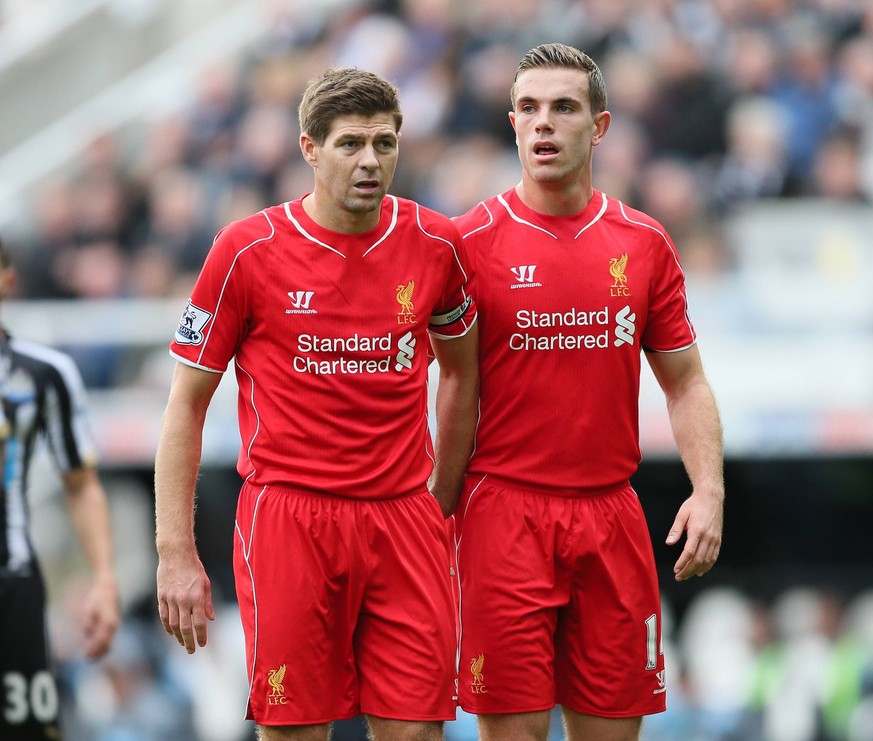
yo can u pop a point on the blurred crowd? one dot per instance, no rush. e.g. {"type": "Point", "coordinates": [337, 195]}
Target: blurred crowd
{"type": "Point", "coordinates": [795, 667]}
{"type": "Point", "coordinates": [714, 104]}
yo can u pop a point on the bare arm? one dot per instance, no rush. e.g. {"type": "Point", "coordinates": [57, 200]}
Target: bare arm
{"type": "Point", "coordinates": [457, 410]}
{"type": "Point", "coordinates": [184, 590]}
{"type": "Point", "coordinates": [698, 433]}
{"type": "Point", "coordinates": [89, 513]}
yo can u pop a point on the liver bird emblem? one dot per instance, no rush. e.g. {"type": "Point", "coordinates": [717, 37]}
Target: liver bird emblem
{"type": "Point", "coordinates": [617, 266]}
{"type": "Point", "coordinates": [476, 668]}
{"type": "Point", "coordinates": [275, 677]}
{"type": "Point", "coordinates": [404, 297]}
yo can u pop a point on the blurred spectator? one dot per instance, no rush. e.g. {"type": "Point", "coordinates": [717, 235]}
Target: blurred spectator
{"type": "Point", "coordinates": [836, 171]}
{"type": "Point", "coordinates": [806, 90]}
{"type": "Point", "coordinates": [755, 165]}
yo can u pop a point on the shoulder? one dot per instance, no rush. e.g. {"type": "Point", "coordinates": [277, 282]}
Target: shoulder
{"type": "Point", "coordinates": [258, 228]}
{"type": "Point", "coordinates": [478, 218]}
{"type": "Point", "coordinates": [43, 359]}
{"type": "Point", "coordinates": [431, 223]}
{"type": "Point", "coordinates": [620, 213]}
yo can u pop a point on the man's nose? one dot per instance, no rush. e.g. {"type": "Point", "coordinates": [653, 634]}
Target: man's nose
{"type": "Point", "coordinates": [544, 121]}
{"type": "Point", "coordinates": [368, 160]}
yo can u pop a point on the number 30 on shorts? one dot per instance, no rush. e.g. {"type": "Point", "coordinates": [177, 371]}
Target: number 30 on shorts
{"type": "Point", "coordinates": [20, 700]}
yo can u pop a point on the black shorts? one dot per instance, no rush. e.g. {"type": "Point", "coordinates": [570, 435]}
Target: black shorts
{"type": "Point", "coordinates": [29, 705]}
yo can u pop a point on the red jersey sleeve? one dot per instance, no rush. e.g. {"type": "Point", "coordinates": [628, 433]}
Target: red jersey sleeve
{"type": "Point", "coordinates": [215, 319]}
{"type": "Point", "coordinates": [668, 323]}
{"type": "Point", "coordinates": [456, 311]}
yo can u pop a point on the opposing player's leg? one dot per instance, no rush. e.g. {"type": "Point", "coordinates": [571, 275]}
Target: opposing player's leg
{"type": "Point", "coordinates": [29, 704]}
{"type": "Point", "coordinates": [579, 727]}
{"type": "Point", "coordinates": [515, 726]}
{"type": "Point", "coordinates": [387, 729]}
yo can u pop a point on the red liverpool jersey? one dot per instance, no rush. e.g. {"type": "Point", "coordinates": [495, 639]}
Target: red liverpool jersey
{"type": "Point", "coordinates": [565, 306]}
{"type": "Point", "coordinates": [328, 335]}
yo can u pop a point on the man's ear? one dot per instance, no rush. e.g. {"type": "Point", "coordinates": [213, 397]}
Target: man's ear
{"type": "Point", "coordinates": [309, 149]}
{"type": "Point", "coordinates": [601, 126]}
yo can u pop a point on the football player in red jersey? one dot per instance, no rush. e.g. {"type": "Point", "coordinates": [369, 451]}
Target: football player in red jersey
{"type": "Point", "coordinates": [326, 304]}
{"type": "Point", "coordinates": [559, 597]}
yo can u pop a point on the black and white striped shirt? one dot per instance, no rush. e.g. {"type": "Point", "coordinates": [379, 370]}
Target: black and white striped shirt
{"type": "Point", "coordinates": [43, 398]}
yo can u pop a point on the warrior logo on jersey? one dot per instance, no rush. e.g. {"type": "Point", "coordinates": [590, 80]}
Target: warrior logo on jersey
{"type": "Point", "coordinates": [478, 683]}
{"type": "Point", "coordinates": [300, 301]}
{"type": "Point", "coordinates": [524, 275]}
{"type": "Point", "coordinates": [617, 267]}
{"type": "Point", "coordinates": [404, 298]}
{"type": "Point", "coordinates": [277, 689]}
{"type": "Point", "coordinates": [190, 329]}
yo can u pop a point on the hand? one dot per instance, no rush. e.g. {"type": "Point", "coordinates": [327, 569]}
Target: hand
{"type": "Point", "coordinates": [101, 617]}
{"type": "Point", "coordinates": [185, 600]}
{"type": "Point", "coordinates": [448, 502]}
{"type": "Point", "coordinates": [702, 516]}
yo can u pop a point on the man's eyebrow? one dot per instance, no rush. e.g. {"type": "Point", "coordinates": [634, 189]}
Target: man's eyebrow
{"type": "Point", "coordinates": [352, 136]}
{"type": "Point", "coordinates": [556, 101]}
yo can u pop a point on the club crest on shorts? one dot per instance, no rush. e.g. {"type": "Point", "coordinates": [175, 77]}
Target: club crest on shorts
{"type": "Point", "coordinates": [190, 329]}
{"type": "Point", "coordinates": [275, 677]}
{"type": "Point", "coordinates": [478, 683]}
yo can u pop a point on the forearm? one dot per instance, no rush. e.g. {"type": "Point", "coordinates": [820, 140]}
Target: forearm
{"type": "Point", "coordinates": [177, 463]}
{"type": "Point", "coordinates": [456, 412]}
{"type": "Point", "coordinates": [698, 433]}
{"type": "Point", "coordinates": [89, 513]}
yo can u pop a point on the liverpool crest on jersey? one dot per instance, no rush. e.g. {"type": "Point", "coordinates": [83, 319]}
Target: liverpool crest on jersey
{"type": "Point", "coordinates": [406, 315]}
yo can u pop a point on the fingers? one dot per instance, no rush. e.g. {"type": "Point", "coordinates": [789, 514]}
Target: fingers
{"type": "Point", "coordinates": [697, 558]}
{"type": "Point", "coordinates": [186, 618]}
{"type": "Point", "coordinates": [188, 624]}
{"type": "Point", "coordinates": [99, 634]}
{"type": "Point", "coordinates": [702, 520]}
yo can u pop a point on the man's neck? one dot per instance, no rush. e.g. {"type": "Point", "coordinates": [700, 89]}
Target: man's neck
{"type": "Point", "coordinates": [554, 199]}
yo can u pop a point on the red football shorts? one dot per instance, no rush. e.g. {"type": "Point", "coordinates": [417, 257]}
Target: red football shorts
{"type": "Point", "coordinates": [559, 602]}
{"type": "Point", "coordinates": [346, 607]}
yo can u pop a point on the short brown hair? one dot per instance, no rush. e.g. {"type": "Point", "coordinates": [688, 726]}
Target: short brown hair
{"type": "Point", "coordinates": [552, 56]}
{"type": "Point", "coordinates": [345, 91]}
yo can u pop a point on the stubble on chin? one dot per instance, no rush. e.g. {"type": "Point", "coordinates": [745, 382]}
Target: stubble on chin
{"type": "Point", "coordinates": [359, 205]}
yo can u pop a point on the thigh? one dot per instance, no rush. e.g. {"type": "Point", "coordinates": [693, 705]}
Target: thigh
{"type": "Point", "coordinates": [294, 733]}
{"type": "Point", "coordinates": [28, 692]}
{"type": "Point", "coordinates": [608, 643]}
{"type": "Point", "coordinates": [405, 643]}
{"type": "Point", "coordinates": [510, 595]}
{"type": "Point", "coordinates": [515, 726]}
{"type": "Point", "coordinates": [581, 727]}
{"type": "Point", "coordinates": [383, 729]}
{"type": "Point", "coordinates": [299, 586]}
